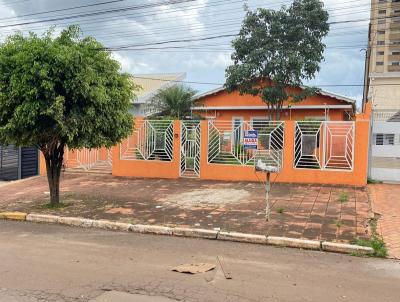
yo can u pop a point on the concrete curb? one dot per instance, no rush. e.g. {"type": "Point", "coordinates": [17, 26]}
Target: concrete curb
{"type": "Point", "coordinates": [346, 248]}
{"type": "Point", "coordinates": [193, 233]}
{"type": "Point", "coordinates": [294, 243]}
{"type": "Point", "coordinates": [13, 215]}
{"type": "Point", "coordinates": [240, 237]}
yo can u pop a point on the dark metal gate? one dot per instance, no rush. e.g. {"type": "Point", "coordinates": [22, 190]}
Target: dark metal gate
{"type": "Point", "coordinates": [17, 163]}
{"type": "Point", "coordinates": [29, 162]}
{"type": "Point", "coordinates": [9, 157]}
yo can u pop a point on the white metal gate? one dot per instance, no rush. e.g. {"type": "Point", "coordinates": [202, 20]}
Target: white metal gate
{"type": "Point", "coordinates": [190, 149]}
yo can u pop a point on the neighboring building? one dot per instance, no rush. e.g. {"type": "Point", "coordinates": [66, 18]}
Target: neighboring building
{"type": "Point", "coordinates": [383, 89]}
{"type": "Point", "coordinates": [221, 105]}
{"type": "Point", "coordinates": [150, 84]}
{"type": "Point", "coordinates": [384, 55]}
{"type": "Point", "coordinates": [18, 163]}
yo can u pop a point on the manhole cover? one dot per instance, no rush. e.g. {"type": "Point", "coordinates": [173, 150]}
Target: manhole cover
{"type": "Point", "coordinates": [114, 296]}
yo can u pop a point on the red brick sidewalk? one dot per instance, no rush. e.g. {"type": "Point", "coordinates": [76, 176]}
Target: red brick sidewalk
{"type": "Point", "coordinates": [386, 202]}
{"type": "Point", "coordinates": [299, 211]}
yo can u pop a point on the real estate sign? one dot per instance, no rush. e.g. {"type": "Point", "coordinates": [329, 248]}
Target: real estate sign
{"type": "Point", "coordinates": [250, 140]}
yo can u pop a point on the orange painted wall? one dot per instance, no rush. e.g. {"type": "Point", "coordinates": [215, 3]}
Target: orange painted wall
{"type": "Point", "coordinates": [149, 168]}
{"type": "Point", "coordinates": [235, 99]}
{"type": "Point", "coordinates": [224, 98]}
{"type": "Point", "coordinates": [289, 174]}
{"type": "Point", "coordinates": [42, 164]}
{"type": "Point", "coordinates": [294, 115]}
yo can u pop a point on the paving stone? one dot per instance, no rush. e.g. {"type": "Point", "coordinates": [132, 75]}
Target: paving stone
{"type": "Point", "coordinates": [155, 202]}
{"type": "Point", "coordinates": [385, 201]}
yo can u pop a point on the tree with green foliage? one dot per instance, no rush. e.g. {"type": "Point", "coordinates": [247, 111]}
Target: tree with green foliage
{"type": "Point", "coordinates": [173, 102]}
{"type": "Point", "coordinates": [58, 91]}
{"type": "Point", "coordinates": [276, 50]}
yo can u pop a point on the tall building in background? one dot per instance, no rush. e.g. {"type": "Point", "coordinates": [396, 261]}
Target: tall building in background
{"type": "Point", "coordinates": [383, 89]}
{"type": "Point", "coordinates": [384, 54]}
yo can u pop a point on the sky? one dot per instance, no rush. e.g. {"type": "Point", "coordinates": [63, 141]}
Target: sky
{"type": "Point", "coordinates": [145, 26]}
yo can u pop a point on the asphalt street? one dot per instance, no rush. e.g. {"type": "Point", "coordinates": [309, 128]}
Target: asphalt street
{"type": "Point", "coordinates": [41, 262]}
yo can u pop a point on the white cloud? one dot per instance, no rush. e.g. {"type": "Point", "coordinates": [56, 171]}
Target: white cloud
{"type": "Point", "coordinates": [189, 17]}
{"type": "Point", "coordinates": [193, 20]}
{"type": "Point", "coordinates": [132, 66]}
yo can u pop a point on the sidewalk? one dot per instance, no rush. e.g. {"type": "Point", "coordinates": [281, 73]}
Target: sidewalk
{"type": "Point", "coordinates": [330, 213]}
{"type": "Point", "coordinates": [386, 203]}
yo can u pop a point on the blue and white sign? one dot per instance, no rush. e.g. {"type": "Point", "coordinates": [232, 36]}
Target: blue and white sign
{"type": "Point", "coordinates": [250, 140]}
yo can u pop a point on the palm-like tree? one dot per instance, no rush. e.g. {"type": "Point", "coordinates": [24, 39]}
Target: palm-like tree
{"type": "Point", "coordinates": [174, 102]}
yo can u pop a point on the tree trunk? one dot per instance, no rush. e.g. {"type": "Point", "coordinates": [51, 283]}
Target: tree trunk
{"type": "Point", "coordinates": [54, 156]}
{"type": "Point", "coordinates": [278, 112]}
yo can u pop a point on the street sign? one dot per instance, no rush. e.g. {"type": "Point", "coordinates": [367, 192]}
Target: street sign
{"type": "Point", "coordinates": [250, 140]}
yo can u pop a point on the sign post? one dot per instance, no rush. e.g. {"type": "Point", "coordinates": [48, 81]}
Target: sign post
{"type": "Point", "coordinates": [263, 167]}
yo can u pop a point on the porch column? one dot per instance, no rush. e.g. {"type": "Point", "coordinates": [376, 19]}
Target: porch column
{"type": "Point", "coordinates": [203, 148]}
{"type": "Point", "coordinates": [288, 148]}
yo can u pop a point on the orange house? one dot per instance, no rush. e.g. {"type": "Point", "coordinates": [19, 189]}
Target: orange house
{"type": "Point", "coordinates": [220, 105]}
{"type": "Point", "coordinates": [319, 140]}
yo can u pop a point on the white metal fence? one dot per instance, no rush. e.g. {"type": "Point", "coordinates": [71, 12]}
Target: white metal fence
{"type": "Point", "coordinates": [84, 158]}
{"type": "Point", "coordinates": [226, 146]}
{"type": "Point", "coordinates": [150, 140]}
{"type": "Point", "coordinates": [324, 145]}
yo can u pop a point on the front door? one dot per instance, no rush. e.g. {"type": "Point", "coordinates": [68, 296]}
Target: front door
{"type": "Point", "coordinates": [190, 149]}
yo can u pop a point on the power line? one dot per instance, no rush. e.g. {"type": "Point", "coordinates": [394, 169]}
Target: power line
{"type": "Point", "coordinates": [136, 7]}
{"type": "Point", "coordinates": [83, 15]}
{"type": "Point", "coordinates": [143, 35]}
{"type": "Point", "coordinates": [63, 9]}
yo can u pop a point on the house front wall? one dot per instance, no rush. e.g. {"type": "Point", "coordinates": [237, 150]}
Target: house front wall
{"type": "Point", "coordinates": [231, 100]}
{"type": "Point", "coordinates": [287, 115]}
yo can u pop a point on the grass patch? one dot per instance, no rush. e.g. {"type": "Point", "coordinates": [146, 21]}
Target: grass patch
{"type": "Point", "coordinates": [343, 197]}
{"type": "Point", "coordinates": [338, 223]}
{"type": "Point", "coordinates": [373, 181]}
{"type": "Point", "coordinates": [280, 210]}
{"type": "Point", "coordinates": [376, 243]}
{"type": "Point", "coordinates": [49, 206]}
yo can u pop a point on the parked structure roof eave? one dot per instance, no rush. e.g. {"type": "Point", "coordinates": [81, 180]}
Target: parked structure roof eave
{"type": "Point", "coordinates": [294, 107]}
{"type": "Point", "coordinates": [321, 92]}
